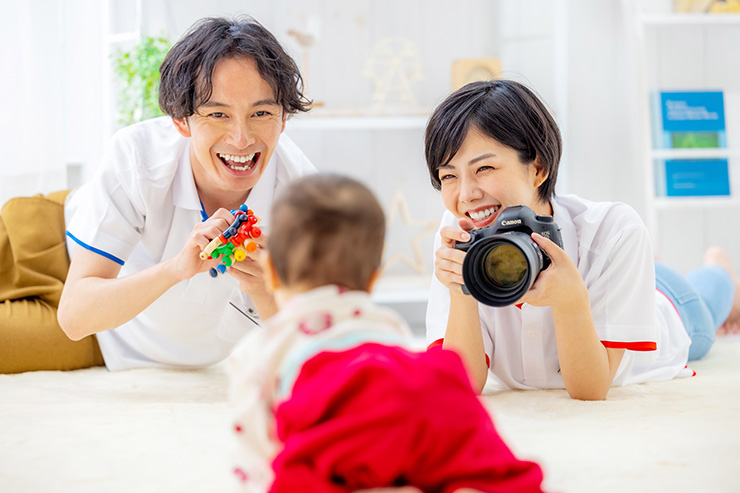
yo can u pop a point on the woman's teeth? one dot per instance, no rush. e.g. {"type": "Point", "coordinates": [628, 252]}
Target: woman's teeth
{"type": "Point", "coordinates": [231, 161]}
{"type": "Point", "coordinates": [481, 215]}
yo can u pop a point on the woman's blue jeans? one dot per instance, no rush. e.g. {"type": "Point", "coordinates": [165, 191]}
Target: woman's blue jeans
{"type": "Point", "coordinates": [703, 298]}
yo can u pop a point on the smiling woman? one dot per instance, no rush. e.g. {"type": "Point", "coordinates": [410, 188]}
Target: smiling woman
{"type": "Point", "coordinates": [593, 317]}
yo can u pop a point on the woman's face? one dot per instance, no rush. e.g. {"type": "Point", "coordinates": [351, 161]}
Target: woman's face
{"type": "Point", "coordinates": [485, 176]}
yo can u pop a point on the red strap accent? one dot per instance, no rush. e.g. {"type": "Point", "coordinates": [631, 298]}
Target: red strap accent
{"type": "Point", "coordinates": [438, 345]}
{"type": "Point", "coordinates": [632, 346]}
{"type": "Point", "coordinates": [519, 305]}
{"type": "Point", "coordinates": [669, 300]}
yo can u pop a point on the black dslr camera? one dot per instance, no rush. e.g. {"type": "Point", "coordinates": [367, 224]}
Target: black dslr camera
{"type": "Point", "coordinates": [502, 260]}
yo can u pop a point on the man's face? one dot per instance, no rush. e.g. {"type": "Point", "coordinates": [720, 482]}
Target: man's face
{"type": "Point", "coordinates": [234, 133]}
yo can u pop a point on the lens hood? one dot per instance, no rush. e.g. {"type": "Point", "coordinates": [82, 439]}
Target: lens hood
{"type": "Point", "coordinates": [499, 269]}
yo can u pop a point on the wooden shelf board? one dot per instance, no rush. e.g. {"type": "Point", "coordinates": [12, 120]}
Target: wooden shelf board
{"type": "Point", "coordinates": [358, 123]}
{"type": "Point", "coordinates": [683, 203]}
{"type": "Point", "coordinates": [696, 153]}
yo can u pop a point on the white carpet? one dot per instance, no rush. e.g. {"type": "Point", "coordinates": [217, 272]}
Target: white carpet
{"type": "Point", "coordinates": [162, 431]}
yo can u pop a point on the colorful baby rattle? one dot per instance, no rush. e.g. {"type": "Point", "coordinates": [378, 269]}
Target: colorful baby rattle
{"type": "Point", "coordinates": [233, 244]}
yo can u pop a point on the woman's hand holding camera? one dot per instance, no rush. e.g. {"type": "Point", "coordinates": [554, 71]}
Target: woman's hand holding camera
{"type": "Point", "coordinates": [560, 285]}
{"type": "Point", "coordinates": [448, 261]}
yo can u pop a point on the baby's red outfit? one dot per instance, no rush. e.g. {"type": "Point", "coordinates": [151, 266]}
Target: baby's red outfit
{"type": "Point", "coordinates": [379, 416]}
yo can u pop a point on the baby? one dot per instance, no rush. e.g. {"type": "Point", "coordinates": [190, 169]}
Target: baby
{"type": "Point", "coordinates": [329, 396]}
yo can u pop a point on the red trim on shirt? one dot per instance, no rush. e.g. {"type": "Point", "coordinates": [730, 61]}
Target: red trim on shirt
{"type": "Point", "coordinates": [438, 345]}
{"type": "Point", "coordinates": [632, 346]}
{"type": "Point", "coordinates": [670, 301]}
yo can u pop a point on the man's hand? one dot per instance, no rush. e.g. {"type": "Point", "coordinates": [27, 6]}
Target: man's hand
{"type": "Point", "coordinates": [187, 263]}
{"type": "Point", "coordinates": [250, 272]}
{"type": "Point", "coordinates": [253, 279]}
{"type": "Point", "coordinates": [92, 282]}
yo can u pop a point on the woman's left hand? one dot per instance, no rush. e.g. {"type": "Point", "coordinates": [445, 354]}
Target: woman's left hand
{"type": "Point", "coordinates": [560, 285]}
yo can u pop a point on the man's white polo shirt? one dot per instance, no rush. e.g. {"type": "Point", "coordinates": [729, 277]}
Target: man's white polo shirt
{"type": "Point", "coordinates": [138, 210]}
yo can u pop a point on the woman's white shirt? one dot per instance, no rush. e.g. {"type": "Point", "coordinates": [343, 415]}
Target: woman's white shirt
{"type": "Point", "coordinates": [610, 246]}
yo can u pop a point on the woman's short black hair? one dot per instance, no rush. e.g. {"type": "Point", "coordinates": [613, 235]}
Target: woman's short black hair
{"type": "Point", "coordinates": [187, 71]}
{"type": "Point", "coordinates": [504, 110]}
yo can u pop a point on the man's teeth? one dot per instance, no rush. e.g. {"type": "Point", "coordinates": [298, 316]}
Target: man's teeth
{"type": "Point", "coordinates": [481, 215]}
{"type": "Point", "coordinates": [236, 159]}
{"type": "Point", "coordinates": [229, 159]}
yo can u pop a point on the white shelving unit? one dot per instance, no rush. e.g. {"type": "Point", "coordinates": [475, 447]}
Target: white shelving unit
{"type": "Point", "coordinates": [702, 27]}
{"type": "Point", "coordinates": [406, 294]}
{"type": "Point", "coordinates": [680, 19]}
{"type": "Point", "coordinates": [362, 122]}
{"type": "Point", "coordinates": [694, 153]}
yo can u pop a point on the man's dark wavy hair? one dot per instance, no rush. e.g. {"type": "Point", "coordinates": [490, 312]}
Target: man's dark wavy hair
{"type": "Point", "coordinates": [187, 70]}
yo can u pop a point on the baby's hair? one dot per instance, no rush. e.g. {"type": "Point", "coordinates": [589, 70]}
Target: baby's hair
{"type": "Point", "coordinates": [326, 229]}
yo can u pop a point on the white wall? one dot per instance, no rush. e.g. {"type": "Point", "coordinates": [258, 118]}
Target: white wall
{"type": "Point", "coordinates": [577, 54]}
{"type": "Point", "coordinates": [603, 154]}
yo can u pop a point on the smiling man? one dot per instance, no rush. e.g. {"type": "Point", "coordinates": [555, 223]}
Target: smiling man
{"type": "Point", "coordinates": [164, 190]}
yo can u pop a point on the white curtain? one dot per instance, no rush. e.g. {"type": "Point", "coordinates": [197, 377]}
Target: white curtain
{"type": "Point", "coordinates": [51, 63]}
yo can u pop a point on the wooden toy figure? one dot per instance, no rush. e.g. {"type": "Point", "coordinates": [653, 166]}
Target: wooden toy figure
{"type": "Point", "coordinates": [233, 244]}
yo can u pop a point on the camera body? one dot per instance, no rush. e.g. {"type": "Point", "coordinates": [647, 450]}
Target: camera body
{"type": "Point", "coordinates": [502, 260]}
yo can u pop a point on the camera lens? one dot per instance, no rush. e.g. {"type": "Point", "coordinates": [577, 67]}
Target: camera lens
{"type": "Point", "coordinates": [499, 269]}
{"type": "Point", "coordinates": [505, 265]}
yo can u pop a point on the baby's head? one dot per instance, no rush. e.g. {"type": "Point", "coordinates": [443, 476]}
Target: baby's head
{"type": "Point", "coordinates": [326, 229]}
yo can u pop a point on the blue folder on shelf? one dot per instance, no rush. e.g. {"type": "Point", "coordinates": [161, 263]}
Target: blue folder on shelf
{"type": "Point", "coordinates": [691, 119]}
{"type": "Point", "coordinates": [685, 178]}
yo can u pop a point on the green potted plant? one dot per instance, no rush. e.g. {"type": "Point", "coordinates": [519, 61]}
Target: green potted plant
{"type": "Point", "coordinates": [138, 73]}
